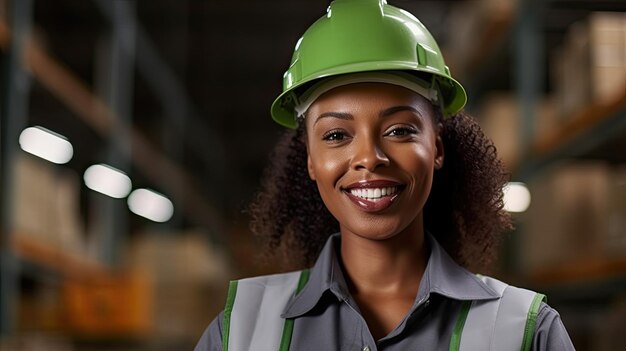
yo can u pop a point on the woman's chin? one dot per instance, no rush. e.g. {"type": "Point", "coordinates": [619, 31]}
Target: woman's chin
{"type": "Point", "coordinates": [372, 232]}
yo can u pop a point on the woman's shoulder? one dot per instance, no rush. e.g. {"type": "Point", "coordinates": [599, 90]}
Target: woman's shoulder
{"type": "Point", "coordinates": [550, 333]}
{"type": "Point", "coordinates": [211, 339]}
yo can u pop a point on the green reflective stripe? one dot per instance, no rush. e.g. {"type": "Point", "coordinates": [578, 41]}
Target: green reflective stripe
{"type": "Point", "coordinates": [285, 341]}
{"type": "Point", "coordinates": [304, 278]}
{"type": "Point", "coordinates": [228, 309]}
{"type": "Point", "coordinates": [531, 321]}
{"type": "Point", "coordinates": [455, 341]}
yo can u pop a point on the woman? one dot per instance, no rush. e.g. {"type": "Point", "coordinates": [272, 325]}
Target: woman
{"type": "Point", "coordinates": [382, 156]}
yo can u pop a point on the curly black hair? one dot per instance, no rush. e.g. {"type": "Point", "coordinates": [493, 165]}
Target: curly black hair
{"type": "Point", "coordinates": [464, 210]}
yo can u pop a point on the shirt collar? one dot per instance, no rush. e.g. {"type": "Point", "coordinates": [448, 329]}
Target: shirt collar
{"type": "Point", "coordinates": [443, 276]}
{"type": "Point", "coordinates": [326, 275]}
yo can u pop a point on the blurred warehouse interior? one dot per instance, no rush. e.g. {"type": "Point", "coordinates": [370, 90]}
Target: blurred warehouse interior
{"type": "Point", "coordinates": [134, 134]}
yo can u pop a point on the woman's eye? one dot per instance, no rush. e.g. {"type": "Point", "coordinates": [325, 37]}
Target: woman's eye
{"type": "Point", "coordinates": [334, 135]}
{"type": "Point", "coordinates": [401, 131]}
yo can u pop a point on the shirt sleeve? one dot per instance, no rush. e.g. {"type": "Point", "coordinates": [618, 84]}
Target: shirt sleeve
{"type": "Point", "coordinates": [550, 333]}
{"type": "Point", "coordinates": [211, 339]}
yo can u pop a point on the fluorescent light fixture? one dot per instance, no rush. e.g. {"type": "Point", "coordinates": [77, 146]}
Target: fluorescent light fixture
{"type": "Point", "coordinates": [151, 205]}
{"type": "Point", "coordinates": [46, 144]}
{"type": "Point", "coordinates": [107, 180]}
{"type": "Point", "coordinates": [516, 197]}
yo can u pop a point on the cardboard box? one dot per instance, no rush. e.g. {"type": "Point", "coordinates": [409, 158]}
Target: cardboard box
{"type": "Point", "coordinates": [477, 25]}
{"type": "Point", "coordinates": [607, 32]}
{"type": "Point", "coordinates": [590, 66]}
{"type": "Point", "coordinates": [46, 206]}
{"type": "Point", "coordinates": [571, 71]}
{"type": "Point", "coordinates": [190, 281]}
{"type": "Point", "coordinates": [567, 219]}
{"type": "Point", "coordinates": [109, 306]}
{"type": "Point", "coordinates": [499, 119]}
{"type": "Point", "coordinates": [577, 214]}
{"type": "Point", "coordinates": [177, 258]}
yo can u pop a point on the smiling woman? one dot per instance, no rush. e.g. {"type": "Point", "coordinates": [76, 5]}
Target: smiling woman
{"type": "Point", "coordinates": [383, 196]}
{"type": "Point", "coordinates": [464, 209]}
{"type": "Point", "coordinates": [389, 140]}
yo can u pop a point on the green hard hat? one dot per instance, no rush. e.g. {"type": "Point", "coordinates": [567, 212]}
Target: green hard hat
{"type": "Point", "coordinates": [360, 36]}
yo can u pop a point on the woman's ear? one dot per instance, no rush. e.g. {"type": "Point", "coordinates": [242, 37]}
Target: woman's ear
{"type": "Point", "coordinates": [309, 165]}
{"type": "Point", "coordinates": [439, 151]}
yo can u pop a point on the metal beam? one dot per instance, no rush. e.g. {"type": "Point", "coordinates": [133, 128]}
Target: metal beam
{"type": "Point", "coordinates": [115, 83]}
{"type": "Point", "coordinates": [529, 71]}
{"type": "Point", "coordinates": [528, 64]}
{"type": "Point", "coordinates": [180, 112]}
{"type": "Point", "coordinates": [12, 121]}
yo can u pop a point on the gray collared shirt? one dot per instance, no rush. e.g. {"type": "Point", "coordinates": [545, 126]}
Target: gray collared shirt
{"type": "Point", "coordinates": [327, 318]}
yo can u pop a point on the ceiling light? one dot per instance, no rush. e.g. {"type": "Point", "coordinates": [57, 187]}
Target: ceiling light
{"type": "Point", "coordinates": [151, 205]}
{"type": "Point", "coordinates": [516, 197]}
{"type": "Point", "coordinates": [46, 144]}
{"type": "Point", "coordinates": [107, 180]}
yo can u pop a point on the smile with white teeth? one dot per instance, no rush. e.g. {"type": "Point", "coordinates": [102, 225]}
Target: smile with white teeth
{"type": "Point", "coordinates": [373, 194]}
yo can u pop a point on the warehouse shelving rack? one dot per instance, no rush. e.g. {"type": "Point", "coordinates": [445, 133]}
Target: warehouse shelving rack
{"type": "Point", "coordinates": [598, 131]}
{"type": "Point", "coordinates": [25, 60]}
{"type": "Point", "coordinates": [583, 136]}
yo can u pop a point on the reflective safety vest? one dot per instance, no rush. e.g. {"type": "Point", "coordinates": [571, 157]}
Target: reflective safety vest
{"type": "Point", "coordinates": [254, 305]}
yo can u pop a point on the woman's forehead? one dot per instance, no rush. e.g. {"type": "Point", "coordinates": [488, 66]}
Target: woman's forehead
{"type": "Point", "coordinates": [382, 94]}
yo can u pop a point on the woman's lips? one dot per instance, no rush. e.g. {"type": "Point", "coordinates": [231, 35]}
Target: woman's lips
{"type": "Point", "coordinates": [373, 195]}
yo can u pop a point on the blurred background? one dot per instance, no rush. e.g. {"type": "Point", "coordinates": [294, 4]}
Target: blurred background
{"type": "Point", "coordinates": [134, 134]}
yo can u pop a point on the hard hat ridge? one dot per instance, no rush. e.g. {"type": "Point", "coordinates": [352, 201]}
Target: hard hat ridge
{"type": "Point", "coordinates": [363, 36]}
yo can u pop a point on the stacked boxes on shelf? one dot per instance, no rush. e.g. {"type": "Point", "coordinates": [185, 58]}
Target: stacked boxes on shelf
{"type": "Point", "coordinates": [607, 32]}
{"type": "Point", "coordinates": [46, 207]}
{"type": "Point", "coordinates": [472, 20]}
{"type": "Point", "coordinates": [590, 66]}
{"type": "Point", "coordinates": [575, 216]}
{"type": "Point", "coordinates": [499, 117]}
{"type": "Point", "coordinates": [189, 281]}
{"type": "Point", "coordinates": [108, 305]}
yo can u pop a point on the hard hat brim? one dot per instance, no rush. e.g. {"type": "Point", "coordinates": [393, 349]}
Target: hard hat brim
{"type": "Point", "coordinates": [454, 96]}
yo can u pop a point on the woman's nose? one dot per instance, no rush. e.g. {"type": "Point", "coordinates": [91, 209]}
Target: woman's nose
{"type": "Point", "coordinates": [369, 155]}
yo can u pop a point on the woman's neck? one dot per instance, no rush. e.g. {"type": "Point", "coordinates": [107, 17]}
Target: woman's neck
{"type": "Point", "coordinates": [392, 266]}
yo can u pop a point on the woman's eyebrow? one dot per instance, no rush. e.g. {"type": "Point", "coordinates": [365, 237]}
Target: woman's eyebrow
{"type": "Point", "coordinates": [394, 109]}
{"type": "Point", "coordinates": [340, 115]}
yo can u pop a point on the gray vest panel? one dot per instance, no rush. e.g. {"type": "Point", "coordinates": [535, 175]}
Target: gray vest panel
{"type": "Point", "coordinates": [252, 316]}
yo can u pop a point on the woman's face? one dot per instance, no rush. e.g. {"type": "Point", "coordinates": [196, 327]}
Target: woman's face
{"type": "Point", "coordinates": [372, 150]}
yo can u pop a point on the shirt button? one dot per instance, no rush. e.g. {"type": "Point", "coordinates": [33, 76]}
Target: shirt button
{"type": "Point", "coordinates": [366, 348]}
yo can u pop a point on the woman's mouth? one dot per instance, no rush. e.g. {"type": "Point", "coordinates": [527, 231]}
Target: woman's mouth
{"type": "Point", "coordinates": [373, 196]}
